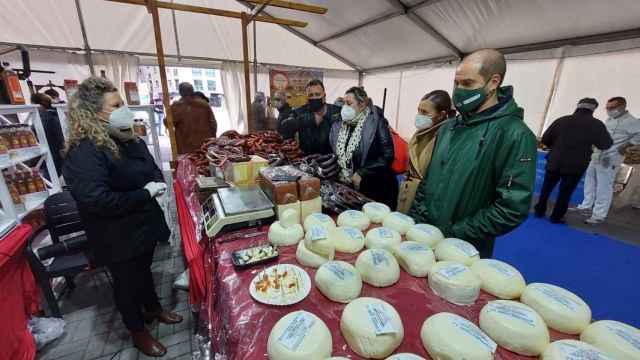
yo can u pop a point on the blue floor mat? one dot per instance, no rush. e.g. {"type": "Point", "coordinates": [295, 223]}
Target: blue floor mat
{"type": "Point", "coordinates": [603, 271]}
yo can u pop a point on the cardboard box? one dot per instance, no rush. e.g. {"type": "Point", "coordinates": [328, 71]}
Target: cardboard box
{"type": "Point", "coordinates": [244, 173]}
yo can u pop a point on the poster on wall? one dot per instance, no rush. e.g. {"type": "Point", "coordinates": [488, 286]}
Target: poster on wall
{"type": "Point", "coordinates": [70, 86]}
{"type": "Point", "coordinates": [293, 83]}
{"type": "Point", "coordinates": [131, 93]}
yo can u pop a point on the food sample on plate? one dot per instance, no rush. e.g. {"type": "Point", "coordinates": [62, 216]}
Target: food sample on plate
{"type": "Point", "coordinates": [282, 284]}
{"type": "Point", "coordinates": [254, 255]}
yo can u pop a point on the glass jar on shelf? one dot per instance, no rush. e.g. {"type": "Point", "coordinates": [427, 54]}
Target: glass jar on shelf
{"type": "Point", "coordinates": [37, 177]}
{"type": "Point", "coordinates": [31, 137]}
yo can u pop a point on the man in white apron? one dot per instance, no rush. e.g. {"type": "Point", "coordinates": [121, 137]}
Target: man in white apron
{"type": "Point", "coordinates": [601, 174]}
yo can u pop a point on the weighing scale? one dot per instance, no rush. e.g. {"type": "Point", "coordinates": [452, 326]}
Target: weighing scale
{"type": "Point", "coordinates": [236, 208]}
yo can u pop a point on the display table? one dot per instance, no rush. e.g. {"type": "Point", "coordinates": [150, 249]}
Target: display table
{"type": "Point", "coordinates": [241, 326]}
{"type": "Point", "coordinates": [19, 296]}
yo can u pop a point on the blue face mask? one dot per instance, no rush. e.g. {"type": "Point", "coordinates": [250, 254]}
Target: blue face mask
{"type": "Point", "coordinates": [423, 121]}
{"type": "Point", "coordinates": [348, 113]}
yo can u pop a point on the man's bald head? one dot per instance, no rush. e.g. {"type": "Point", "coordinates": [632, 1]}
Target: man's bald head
{"type": "Point", "coordinates": [489, 62]}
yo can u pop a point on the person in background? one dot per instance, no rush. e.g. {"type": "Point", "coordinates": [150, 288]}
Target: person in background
{"type": "Point", "coordinates": [571, 139]}
{"type": "Point", "coordinates": [54, 95]}
{"type": "Point", "coordinates": [201, 96]}
{"type": "Point", "coordinates": [480, 180]}
{"type": "Point", "coordinates": [339, 101]}
{"type": "Point", "coordinates": [259, 111]}
{"type": "Point", "coordinates": [193, 119]}
{"type": "Point", "coordinates": [52, 128]}
{"type": "Point", "coordinates": [115, 182]}
{"type": "Point", "coordinates": [364, 149]}
{"type": "Point", "coordinates": [601, 174]}
{"type": "Point", "coordinates": [312, 122]}
{"type": "Point", "coordinates": [433, 110]}
{"type": "Point", "coordinates": [281, 103]}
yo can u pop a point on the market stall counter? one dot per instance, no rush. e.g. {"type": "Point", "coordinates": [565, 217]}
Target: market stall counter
{"type": "Point", "coordinates": [241, 326]}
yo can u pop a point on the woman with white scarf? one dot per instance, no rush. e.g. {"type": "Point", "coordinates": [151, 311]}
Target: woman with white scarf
{"type": "Point", "coordinates": [363, 145]}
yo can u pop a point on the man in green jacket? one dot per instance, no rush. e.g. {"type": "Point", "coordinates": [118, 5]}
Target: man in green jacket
{"type": "Point", "coordinates": [482, 173]}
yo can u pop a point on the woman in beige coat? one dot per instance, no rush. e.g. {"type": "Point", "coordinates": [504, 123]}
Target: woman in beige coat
{"type": "Point", "coordinates": [433, 111]}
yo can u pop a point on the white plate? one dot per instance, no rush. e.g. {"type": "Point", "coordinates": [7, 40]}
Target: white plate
{"type": "Point", "coordinates": [293, 287]}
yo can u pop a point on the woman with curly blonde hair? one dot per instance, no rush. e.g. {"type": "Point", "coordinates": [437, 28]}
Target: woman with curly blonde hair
{"type": "Point", "coordinates": [115, 181]}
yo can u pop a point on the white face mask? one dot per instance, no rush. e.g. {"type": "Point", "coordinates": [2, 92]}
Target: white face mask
{"type": "Point", "coordinates": [121, 118]}
{"type": "Point", "coordinates": [348, 113]}
{"type": "Point", "coordinates": [615, 113]}
{"type": "Point", "coordinates": [423, 121]}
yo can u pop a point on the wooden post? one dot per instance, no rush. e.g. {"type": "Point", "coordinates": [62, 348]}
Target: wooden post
{"type": "Point", "coordinates": [247, 76]}
{"type": "Point", "coordinates": [163, 79]}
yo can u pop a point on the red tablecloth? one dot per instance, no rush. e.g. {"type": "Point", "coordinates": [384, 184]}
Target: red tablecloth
{"type": "Point", "coordinates": [194, 241]}
{"type": "Point", "coordinates": [241, 326]}
{"type": "Point", "coordinates": [18, 297]}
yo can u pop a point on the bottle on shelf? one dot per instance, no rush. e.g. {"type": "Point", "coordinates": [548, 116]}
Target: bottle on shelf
{"type": "Point", "coordinates": [23, 136]}
{"type": "Point", "coordinates": [31, 137]}
{"type": "Point", "coordinates": [31, 182]}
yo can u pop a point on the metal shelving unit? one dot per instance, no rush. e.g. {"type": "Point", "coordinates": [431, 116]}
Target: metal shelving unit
{"type": "Point", "coordinates": [152, 142]}
{"type": "Point", "coordinates": [10, 215]}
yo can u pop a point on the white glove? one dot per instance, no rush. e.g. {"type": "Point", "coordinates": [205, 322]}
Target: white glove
{"type": "Point", "coordinates": [155, 189]}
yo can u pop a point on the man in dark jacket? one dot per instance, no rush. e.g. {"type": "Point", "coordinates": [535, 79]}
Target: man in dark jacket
{"type": "Point", "coordinates": [312, 122]}
{"type": "Point", "coordinates": [481, 177]}
{"type": "Point", "coordinates": [52, 128]}
{"type": "Point", "coordinates": [571, 139]}
{"type": "Point", "coordinates": [193, 119]}
{"type": "Point", "coordinates": [284, 112]}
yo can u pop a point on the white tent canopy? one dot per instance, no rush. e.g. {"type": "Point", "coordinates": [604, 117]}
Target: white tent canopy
{"type": "Point", "coordinates": [559, 51]}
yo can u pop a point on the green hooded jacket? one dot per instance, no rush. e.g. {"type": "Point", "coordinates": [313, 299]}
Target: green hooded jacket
{"type": "Point", "coordinates": [481, 177]}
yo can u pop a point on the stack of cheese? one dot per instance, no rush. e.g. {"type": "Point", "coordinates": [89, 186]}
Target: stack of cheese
{"type": "Point", "coordinates": [318, 246]}
{"type": "Point", "coordinates": [287, 231]}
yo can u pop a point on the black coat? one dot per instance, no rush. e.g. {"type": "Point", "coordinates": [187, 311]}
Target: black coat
{"type": "Point", "coordinates": [571, 139]}
{"type": "Point", "coordinates": [121, 219]}
{"type": "Point", "coordinates": [314, 139]}
{"type": "Point", "coordinates": [283, 115]}
{"type": "Point", "coordinates": [372, 159]}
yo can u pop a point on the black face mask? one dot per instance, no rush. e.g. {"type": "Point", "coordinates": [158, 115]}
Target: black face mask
{"type": "Point", "coordinates": [316, 105]}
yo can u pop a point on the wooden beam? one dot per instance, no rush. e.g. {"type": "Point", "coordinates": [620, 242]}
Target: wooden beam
{"type": "Point", "coordinates": [258, 9]}
{"type": "Point", "coordinates": [163, 79]}
{"type": "Point", "coordinates": [247, 77]}
{"type": "Point", "coordinates": [292, 6]}
{"type": "Point", "coordinates": [211, 11]}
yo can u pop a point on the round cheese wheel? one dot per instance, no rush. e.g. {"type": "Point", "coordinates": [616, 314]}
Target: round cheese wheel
{"type": "Point", "coordinates": [281, 236]}
{"type": "Point", "coordinates": [371, 327]}
{"type": "Point", "coordinates": [452, 249]}
{"type": "Point", "coordinates": [376, 211]}
{"type": "Point", "coordinates": [561, 309]}
{"type": "Point", "coordinates": [499, 278]}
{"type": "Point", "coordinates": [425, 233]}
{"type": "Point", "coordinates": [414, 257]}
{"type": "Point", "coordinates": [515, 326]}
{"type": "Point", "coordinates": [450, 336]}
{"type": "Point", "coordinates": [289, 218]}
{"type": "Point", "coordinates": [382, 238]}
{"type": "Point", "coordinates": [454, 282]}
{"type": "Point", "coordinates": [354, 218]}
{"type": "Point", "coordinates": [405, 356]}
{"type": "Point", "coordinates": [308, 207]}
{"type": "Point", "coordinates": [308, 258]}
{"type": "Point", "coordinates": [347, 239]}
{"type": "Point", "coordinates": [299, 335]}
{"type": "Point", "coordinates": [339, 281]}
{"type": "Point", "coordinates": [618, 340]}
{"type": "Point", "coordinates": [398, 221]}
{"type": "Point", "coordinates": [378, 267]}
{"type": "Point", "coordinates": [573, 350]}
{"type": "Point", "coordinates": [318, 240]}
{"type": "Point", "coordinates": [319, 219]}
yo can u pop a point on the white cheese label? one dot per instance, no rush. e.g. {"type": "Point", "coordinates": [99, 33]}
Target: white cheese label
{"type": "Point", "coordinates": [339, 271]}
{"type": "Point", "coordinates": [465, 247]}
{"type": "Point", "coordinates": [318, 233]}
{"type": "Point", "coordinates": [321, 217]}
{"type": "Point", "coordinates": [353, 233]}
{"type": "Point", "coordinates": [425, 229]}
{"type": "Point", "coordinates": [625, 335]}
{"type": "Point", "coordinates": [380, 319]}
{"type": "Point", "coordinates": [558, 297]}
{"type": "Point", "coordinates": [379, 257]}
{"type": "Point", "coordinates": [452, 271]}
{"type": "Point", "coordinates": [501, 268]}
{"type": "Point", "coordinates": [525, 315]}
{"type": "Point", "coordinates": [473, 331]}
{"type": "Point", "coordinates": [413, 247]}
{"type": "Point", "coordinates": [385, 233]}
{"type": "Point", "coordinates": [572, 352]}
{"type": "Point", "coordinates": [294, 334]}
